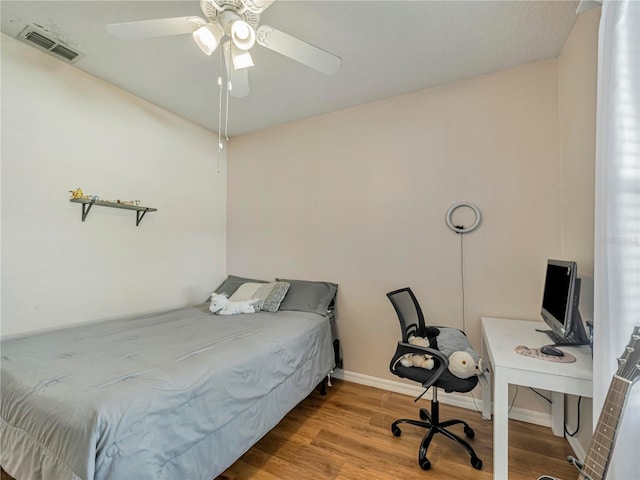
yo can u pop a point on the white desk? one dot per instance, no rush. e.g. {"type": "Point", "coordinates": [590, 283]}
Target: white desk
{"type": "Point", "coordinates": [499, 339]}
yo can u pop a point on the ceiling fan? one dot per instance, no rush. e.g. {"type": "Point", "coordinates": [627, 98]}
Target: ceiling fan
{"type": "Point", "coordinates": [235, 24]}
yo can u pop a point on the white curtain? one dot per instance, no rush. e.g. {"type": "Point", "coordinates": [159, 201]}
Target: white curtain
{"type": "Point", "coordinates": [617, 222]}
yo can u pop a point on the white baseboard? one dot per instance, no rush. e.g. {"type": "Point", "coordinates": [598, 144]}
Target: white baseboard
{"type": "Point", "coordinates": [455, 399]}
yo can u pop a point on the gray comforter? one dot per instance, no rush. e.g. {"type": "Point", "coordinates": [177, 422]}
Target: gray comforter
{"type": "Point", "coordinates": [177, 395]}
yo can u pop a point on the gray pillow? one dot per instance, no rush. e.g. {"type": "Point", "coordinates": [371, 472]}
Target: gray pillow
{"type": "Point", "coordinates": [232, 283]}
{"type": "Point", "coordinates": [308, 296]}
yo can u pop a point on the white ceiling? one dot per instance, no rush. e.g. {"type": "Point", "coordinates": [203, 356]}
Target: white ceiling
{"type": "Point", "coordinates": [387, 48]}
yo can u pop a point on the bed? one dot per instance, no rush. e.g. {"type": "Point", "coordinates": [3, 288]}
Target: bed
{"type": "Point", "coordinates": [180, 394]}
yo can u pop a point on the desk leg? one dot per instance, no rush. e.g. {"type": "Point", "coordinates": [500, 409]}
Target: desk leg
{"type": "Point", "coordinates": [487, 396]}
{"type": "Point", "coordinates": [486, 384]}
{"type": "Point", "coordinates": [500, 424]}
{"type": "Point", "coordinates": [557, 413]}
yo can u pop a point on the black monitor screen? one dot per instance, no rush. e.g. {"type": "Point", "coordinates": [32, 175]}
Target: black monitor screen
{"type": "Point", "coordinates": [556, 291]}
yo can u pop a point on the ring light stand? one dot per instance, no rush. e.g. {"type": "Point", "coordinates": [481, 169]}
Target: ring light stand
{"type": "Point", "coordinates": [461, 230]}
{"type": "Point", "coordinates": [458, 228]}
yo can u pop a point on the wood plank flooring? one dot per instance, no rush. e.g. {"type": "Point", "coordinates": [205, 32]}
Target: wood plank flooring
{"type": "Point", "coordinates": [347, 436]}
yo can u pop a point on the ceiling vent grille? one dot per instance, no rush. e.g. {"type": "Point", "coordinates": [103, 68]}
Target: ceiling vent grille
{"type": "Point", "coordinates": [43, 40]}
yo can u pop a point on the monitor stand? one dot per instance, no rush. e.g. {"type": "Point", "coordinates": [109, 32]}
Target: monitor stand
{"type": "Point", "coordinates": [576, 336]}
{"type": "Point", "coordinates": [559, 341]}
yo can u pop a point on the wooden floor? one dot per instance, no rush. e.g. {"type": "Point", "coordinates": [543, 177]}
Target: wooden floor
{"type": "Point", "coordinates": [347, 436]}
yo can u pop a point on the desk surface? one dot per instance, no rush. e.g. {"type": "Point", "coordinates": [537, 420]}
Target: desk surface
{"type": "Point", "coordinates": [506, 334]}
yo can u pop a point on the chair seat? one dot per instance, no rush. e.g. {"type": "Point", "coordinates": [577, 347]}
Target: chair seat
{"type": "Point", "coordinates": [448, 382]}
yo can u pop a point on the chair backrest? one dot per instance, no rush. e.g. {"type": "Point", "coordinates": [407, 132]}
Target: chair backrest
{"type": "Point", "coordinates": [409, 312]}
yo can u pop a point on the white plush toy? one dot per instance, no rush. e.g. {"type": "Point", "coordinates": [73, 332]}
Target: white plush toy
{"type": "Point", "coordinates": [463, 365]}
{"type": "Point", "coordinates": [221, 305]}
{"type": "Point", "coordinates": [464, 362]}
{"type": "Point", "coordinates": [415, 360]}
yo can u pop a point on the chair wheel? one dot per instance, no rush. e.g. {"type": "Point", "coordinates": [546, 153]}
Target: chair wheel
{"type": "Point", "coordinates": [424, 463]}
{"type": "Point", "coordinates": [468, 431]}
{"type": "Point", "coordinates": [395, 430]}
{"type": "Point", "coordinates": [476, 463]}
{"type": "Point", "coordinates": [424, 415]}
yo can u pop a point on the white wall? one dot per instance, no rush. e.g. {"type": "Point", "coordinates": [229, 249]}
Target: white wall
{"type": "Point", "coordinates": [359, 196]}
{"type": "Point", "coordinates": [63, 129]}
{"type": "Point", "coordinates": [577, 85]}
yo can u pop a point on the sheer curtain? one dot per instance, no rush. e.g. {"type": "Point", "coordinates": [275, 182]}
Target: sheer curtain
{"type": "Point", "coordinates": [617, 222]}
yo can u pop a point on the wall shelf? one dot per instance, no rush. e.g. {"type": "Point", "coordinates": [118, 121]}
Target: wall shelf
{"type": "Point", "coordinates": [88, 203]}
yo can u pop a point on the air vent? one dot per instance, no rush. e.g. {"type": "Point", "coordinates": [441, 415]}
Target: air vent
{"type": "Point", "coordinates": [38, 37]}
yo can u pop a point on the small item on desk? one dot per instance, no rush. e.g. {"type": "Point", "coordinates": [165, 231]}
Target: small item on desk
{"type": "Point", "coordinates": [540, 355]}
{"type": "Point", "coordinates": [551, 350]}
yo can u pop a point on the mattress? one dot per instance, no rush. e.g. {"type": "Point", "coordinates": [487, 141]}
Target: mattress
{"type": "Point", "coordinates": [179, 394]}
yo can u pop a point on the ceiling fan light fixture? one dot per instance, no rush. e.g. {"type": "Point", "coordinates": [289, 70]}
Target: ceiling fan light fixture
{"type": "Point", "coordinates": [257, 6]}
{"type": "Point", "coordinates": [243, 35]}
{"type": "Point", "coordinates": [240, 58]}
{"type": "Point", "coordinates": [208, 37]}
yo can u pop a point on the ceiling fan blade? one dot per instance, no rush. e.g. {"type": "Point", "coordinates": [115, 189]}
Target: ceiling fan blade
{"type": "Point", "coordinates": [162, 27]}
{"type": "Point", "coordinates": [239, 78]}
{"type": "Point", "coordinates": [298, 50]}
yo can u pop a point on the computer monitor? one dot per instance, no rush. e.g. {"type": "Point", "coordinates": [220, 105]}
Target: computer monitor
{"type": "Point", "coordinates": [560, 304]}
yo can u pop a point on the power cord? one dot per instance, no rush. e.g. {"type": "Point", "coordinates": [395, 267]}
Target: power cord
{"type": "Point", "coordinates": [539, 394]}
{"type": "Point", "coordinates": [475, 403]}
{"type": "Point", "coordinates": [578, 422]}
{"type": "Point", "coordinates": [464, 322]}
{"type": "Point", "coordinates": [565, 426]}
{"type": "Point", "coordinates": [514, 398]}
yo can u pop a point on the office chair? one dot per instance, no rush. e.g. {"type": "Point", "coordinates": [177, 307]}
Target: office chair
{"type": "Point", "coordinates": [412, 324]}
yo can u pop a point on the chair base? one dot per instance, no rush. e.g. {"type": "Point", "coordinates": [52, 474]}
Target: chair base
{"type": "Point", "coordinates": [431, 421]}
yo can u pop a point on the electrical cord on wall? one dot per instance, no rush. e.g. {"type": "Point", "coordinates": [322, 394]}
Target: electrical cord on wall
{"type": "Point", "coordinates": [461, 230]}
{"type": "Point", "coordinates": [464, 321]}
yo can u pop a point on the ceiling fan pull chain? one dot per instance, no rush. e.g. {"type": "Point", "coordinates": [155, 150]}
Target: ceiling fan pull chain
{"type": "Point", "coordinates": [219, 120]}
{"type": "Point", "coordinates": [219, 108]}
{"type": "Point", "coordinates": [220, 114]}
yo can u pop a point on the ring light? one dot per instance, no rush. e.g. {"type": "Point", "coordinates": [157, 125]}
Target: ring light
{"type": "Point", "coordinates": [459, 229]}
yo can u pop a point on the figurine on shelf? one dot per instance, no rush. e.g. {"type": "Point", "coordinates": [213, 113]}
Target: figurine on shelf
{"type": "Point", "coordinates": [77, 193]}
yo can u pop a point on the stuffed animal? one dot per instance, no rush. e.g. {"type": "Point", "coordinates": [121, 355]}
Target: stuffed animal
{"type": "Point", "coordinates": [221, 305]}
{"type": "Point", "coordinates": [415, 360]}
{"type": "Point", "coordinates": [77, 193]}
{"type": "Point", "coordinates": [464, 362]}
{"type": "Point", "coordinates": [463, 365]}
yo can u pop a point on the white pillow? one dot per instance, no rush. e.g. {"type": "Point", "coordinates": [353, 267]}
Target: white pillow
{"type": "Point", "coordinates": [268, 295]}
{"type": "Point", "coordinates": [246, 291]}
